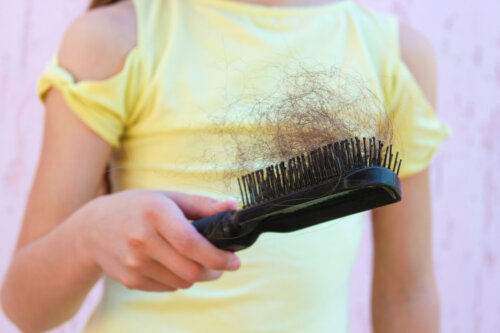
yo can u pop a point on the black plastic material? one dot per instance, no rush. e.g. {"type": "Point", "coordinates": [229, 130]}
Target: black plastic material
{"type": "Point", "coordinates": [359, 191]}
{"type": "Point", "coordinates": [219, 227]}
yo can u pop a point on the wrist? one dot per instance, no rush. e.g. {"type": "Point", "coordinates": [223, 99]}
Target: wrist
{"type": "Point", "coordinates": [81, 229]}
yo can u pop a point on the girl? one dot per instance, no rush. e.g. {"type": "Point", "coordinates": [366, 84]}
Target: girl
{"type": "Point", "coordinates": [136, 83]}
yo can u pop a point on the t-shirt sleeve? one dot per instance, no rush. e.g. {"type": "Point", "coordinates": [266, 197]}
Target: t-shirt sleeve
{"type": "Point", "coordinates": [101, 105]}
{"type": "Point", "coordinates": [418, 133]}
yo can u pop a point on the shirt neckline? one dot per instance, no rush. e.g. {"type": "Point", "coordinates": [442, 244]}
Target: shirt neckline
{"type": "Point", "coordinates": [251, 8]}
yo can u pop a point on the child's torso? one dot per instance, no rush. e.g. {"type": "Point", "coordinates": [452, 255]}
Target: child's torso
{"type": "Point", "coordinates": [209, 69]}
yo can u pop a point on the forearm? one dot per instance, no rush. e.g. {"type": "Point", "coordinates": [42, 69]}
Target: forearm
{"type": "Point", "coordinates": [49, 278]}
{"type": "Point", "coordinates": [402, 306]}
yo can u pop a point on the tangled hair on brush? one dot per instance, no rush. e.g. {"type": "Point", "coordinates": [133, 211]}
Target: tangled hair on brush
{"type": "Point", "coordinates": [307, 110]}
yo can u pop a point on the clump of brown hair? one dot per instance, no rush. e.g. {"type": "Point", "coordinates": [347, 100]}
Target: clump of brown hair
{"type": "Point", "coordinates": [308, 109]}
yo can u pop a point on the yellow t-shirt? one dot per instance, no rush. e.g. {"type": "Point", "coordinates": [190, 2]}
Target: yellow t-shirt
{"type": "Point", "coordinates": [193, 58]}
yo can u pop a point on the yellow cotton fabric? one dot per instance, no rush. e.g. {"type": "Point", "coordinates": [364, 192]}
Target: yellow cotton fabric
{"type": "Point", "coordinates": [193, 60]}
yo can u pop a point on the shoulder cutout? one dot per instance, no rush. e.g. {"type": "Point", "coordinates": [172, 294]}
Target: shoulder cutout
{"type": "Point", "coordinates": [418, 54]}
{"type": "Point", "coordinates": [97, 43]}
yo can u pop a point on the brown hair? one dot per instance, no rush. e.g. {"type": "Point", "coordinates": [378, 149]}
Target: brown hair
{"type": "Point", "coordinates": [306, 109]}
{"type": "Point", "coordinates": [99, 3]}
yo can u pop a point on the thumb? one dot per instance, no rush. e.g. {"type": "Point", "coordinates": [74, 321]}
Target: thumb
{"type": "Point", "coordinates": [198, 206]}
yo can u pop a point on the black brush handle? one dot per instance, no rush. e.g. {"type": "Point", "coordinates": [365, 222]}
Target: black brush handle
{"type": "Point", "coordinates": [219, 227]}
{"type": "Point", "coordinates": [225, 232]}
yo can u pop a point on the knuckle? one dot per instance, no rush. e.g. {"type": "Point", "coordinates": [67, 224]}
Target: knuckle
{"type": "Point", "coordinates": [152, 207]}
{"type": "Point", "coordinates": [132, 261]}
{"type": "Point", "coordinates": [137, 242]}
{"type": "Point", "coordinates": [137, 238]}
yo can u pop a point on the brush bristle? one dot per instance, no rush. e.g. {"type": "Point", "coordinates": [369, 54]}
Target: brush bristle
{"type": "Point", "coordinates": [332, 161]}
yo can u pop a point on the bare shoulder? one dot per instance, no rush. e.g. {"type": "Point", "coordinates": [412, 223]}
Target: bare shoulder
{"type": "Point", "coordinates": [97, 43]}
{"type": "Point", "coordinates": [418, 54]}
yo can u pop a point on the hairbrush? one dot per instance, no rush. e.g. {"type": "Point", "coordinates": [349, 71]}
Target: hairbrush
{"type": "Point", "coordinates": [335, 180]}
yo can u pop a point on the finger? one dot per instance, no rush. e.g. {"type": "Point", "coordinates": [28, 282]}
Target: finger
{"type": "Point", "coordinates": [197, 206]}
{"type": "Point", "coordinates": [211, 275]}
{"type": "Point", "coordinates": [181, 234]}
{"type": "Point", "coordinates": [157, 272]}
{"type": "Point", "coordinates": [183, 268]}
{"type": "Point", "coordinates": [136, 282]}
{"type": "Point", "coordinates": [169, 258]}
{"type": "Point", "coordinates": [149, 284]}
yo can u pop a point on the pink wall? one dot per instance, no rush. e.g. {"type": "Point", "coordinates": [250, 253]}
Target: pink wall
{"type": "Point", "coordinates": [466, 36]}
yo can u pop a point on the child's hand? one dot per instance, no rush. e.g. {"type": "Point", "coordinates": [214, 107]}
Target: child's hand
{"type": "Point", "coordinates": [143, 239]}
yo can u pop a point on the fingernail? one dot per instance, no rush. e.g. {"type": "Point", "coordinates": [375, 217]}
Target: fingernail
{"type": "Point", "coordinates": [234, 263]}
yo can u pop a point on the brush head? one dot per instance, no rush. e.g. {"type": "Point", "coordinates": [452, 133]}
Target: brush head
{"type": "Point", "coordinates": [331, 162]}
{"type": "Point", "coordinates": [330, 182]}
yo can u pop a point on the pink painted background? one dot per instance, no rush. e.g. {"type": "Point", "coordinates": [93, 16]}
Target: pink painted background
{"type": "Point", "coordinates": [466, 180]}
